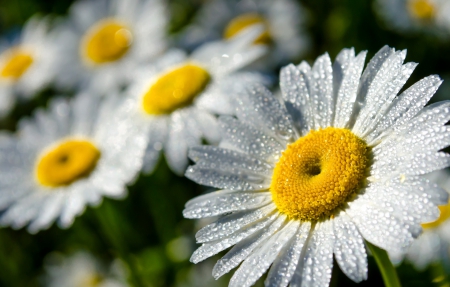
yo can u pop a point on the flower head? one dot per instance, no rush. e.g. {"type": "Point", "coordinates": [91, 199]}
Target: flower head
{"type": "Point", "coordinates": [28, 64]}
{"type": "Point", "coordinates": [104, 41]}
{"type": "Point", "coordinates": [178, 96]}
{"type": "Point", "coordinates": [335, 163]}
{"type": "Point", "coordinates": [64, 159]}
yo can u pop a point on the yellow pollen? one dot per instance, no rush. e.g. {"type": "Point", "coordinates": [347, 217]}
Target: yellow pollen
{"type": "Point", "coordinates": [67, 162]}
{"type": "Point", "coordinates": [175, 89]}
{"type": "Point", "coordinates": [241, 22]}
{"type": "Point", "coordinates": [16, 64]}
{"type": "Point", "coordinates": [318, 173]}
{"type": "Point", "coordinates": [106, 41]}
{"type": "Point", "coordinates": [422, 9]}
{"type": "Point", "coordinates": [91, 280]}
{"type": "Point", "coordinates": [445, 214]}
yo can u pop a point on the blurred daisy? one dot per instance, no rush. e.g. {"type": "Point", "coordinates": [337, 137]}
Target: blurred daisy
{"type": "Point", "coordinates": [178, 95]}
{"type": "Point", "coordinates": [414, 15]}
{"type": "Point", "coordinates": [27, 64]}
{"type": "Point", "coordinates": [66, 158]}
{"type": "Point", "coordinates": [433, 244]}
{"type": "Point", "coordinates": [337, 164]}
{"type": "Point", "coordinates": [282, 21]}
{"type": "Point", "coordinates": [105, 40]}
{"type": "Point", "coordinates": [82, 270]}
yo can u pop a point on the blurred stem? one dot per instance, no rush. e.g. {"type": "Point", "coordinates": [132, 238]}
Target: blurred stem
{"type": "Point", "coordinates": [439, 276]}
{"type": "Point", "coordinates": [111, 230]}
{"type": "Point", "coordinates": [387, 270]}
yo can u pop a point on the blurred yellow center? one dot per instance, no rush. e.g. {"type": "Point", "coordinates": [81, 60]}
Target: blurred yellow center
{"type": "Point", "coordinates": [106, 41]}
{"type": "Point", "coordinates": [16, 64]}
{"type": "Point", "coordinates": [244, 21]}
{"type": "Point", "coordinates": [318, 173]}
{"type": "Point", "coordinates": [175, 89]}
{"type": "Point", "coordinates": [445, 214]}
{"type": "Point", "coordinates": [92, 280]}
{"type": "Point", "coordinates": [66, 163]}
{"type": "Point", "coordinates": [422, 9]}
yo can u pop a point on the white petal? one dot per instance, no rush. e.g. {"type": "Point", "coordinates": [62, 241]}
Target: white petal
{"type": "Point", "coordinates": [227, 203]}
{"type": "Point", "coordinates": [249, 140]}
{"type": "Point", "coordinates": [259, 108]}
{"type": "Point", "coordinates": [407, 105]}
{"type": "Point", "coordinates": [229, 224]}
{"type": "Point", "coordinates": [379, 226]}
{"type": "Point", "coordinates": [285, 264]}
{"type": "Point", "coordinates": [259, 261]}
{"type": "Point", "coordinates": [211, 248]}
{"type": "Point", "coordinates": [347, 71]}
{"type": "Point", "coordinates": [49, 212]}
{"type": "Point", "coordinates": [157, 137]}
{"type": "Point", "coordinates": [314, 269]}
{"type": "Point", "coordinates": [349, 249]}
{"type": "Point", "coordinates": [321, 92]}
{"type": "Point", "coordinates": [244, 248]}
{"type": "Point", "coordinates": [296, 96]}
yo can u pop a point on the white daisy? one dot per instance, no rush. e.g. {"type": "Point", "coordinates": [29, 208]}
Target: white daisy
{"type": "Point", "coordinates": [226, 18]}
{"type": "Point", "coordinates": [177, 96]}
{"type": "Point", "coordinates": [82, 270]}
{"type": "Point", "coordinates": [336, 164]}
{"type": "Point", "coordinates": [64, 159]}
{"type": "Point", "coordinates": [104, 41]}
{"type": "Point", "coordinates": [28, 64]}
{"type": "Point", "coordinates": [434, 243]}
{"type": "Point", "coordinates": [416, 15]}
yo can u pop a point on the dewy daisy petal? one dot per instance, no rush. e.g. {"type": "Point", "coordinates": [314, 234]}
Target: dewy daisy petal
{"type": "Point", "coordinates": [335, 163]}
{"type": "Point", "coordinates": [178, 96]}
{"type": "Point", "coordinates": [65, 159]}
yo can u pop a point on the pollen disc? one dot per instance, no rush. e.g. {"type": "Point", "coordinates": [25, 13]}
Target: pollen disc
{"type": "Point", "coordinates": [318, 173]}
{"type": "Point", "coordinates": [175, 89]}
{"type": "Point", "coordinates": [16, 63]}
{"type": "Point", "coordinates": [66, 162]}
{"type": "Point", "coordinates": [106, 41]}
{"type": "Point", "coordinates": [421, 9]}
{"type": "Point", "coordinates": [241, 22]}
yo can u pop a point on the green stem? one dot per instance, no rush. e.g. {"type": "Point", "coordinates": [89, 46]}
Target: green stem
{"type": "Point", "coordinates": [111, 230]}
{"type": "Point", "coordinates": [439, 275]}
{"type": "Point", "coordinates": [387, 270]}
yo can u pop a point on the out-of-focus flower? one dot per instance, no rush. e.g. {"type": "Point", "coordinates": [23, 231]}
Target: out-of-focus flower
{"type": "Point", "coordinates": [282, 20]}
{"type": "Point", "coordinates": [178, 95]}
{"type": "Point", "coordinates": [416, 15]}
{"type": "Point", "coordinates": [64, 159]}
{"type": "Point", "coordinates": [28, 64]}
{"type": "Point", "coordinates": [434, 243]}
{"type": "Point", "coordinates": [103, 41]}
{"type": "Point", "coordinates": [82, 270]}
{"type": "Point", "coordinates": [336, 164]}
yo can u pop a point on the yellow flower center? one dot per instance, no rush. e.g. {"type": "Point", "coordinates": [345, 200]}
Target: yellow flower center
{"type": "Point", "coordinates": [67, 162]}
{"type": "Point", "coordinates": [175, 89]}
{"type": "Point", "coordinates": [92, 280]}
{"type": "Point", "coordinates": [422, 9]}
{"type": "Point", "coordinates": [318, 173]}
{"type": "Point", "coordinates": [16, 64]}
{"type": "Point", "coordinates": [106, 41]}
{"type": "Point", "coordinates": [445, 214]}
{"type": "Point", "coordinates": [244, 21]}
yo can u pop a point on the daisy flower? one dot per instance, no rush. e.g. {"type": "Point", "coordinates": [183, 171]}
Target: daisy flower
{"type": "Point", "coordinates": [104, 40]}
{"type": "Point", "coordinates": [226, 18]}
{"type": "Point", "coordinates": [177, 96]}
{"type": "Point", "coordinates": [415, 15]}
{"type": "Point", "coordinates": [27, 64]}
{"type": "Point", "coordinates": [434, 243]}
{"type": "Point", "coordinates": [335, 164]}
{"type": "Point", "coordinates": [64, 159]}
{"type": "Point", "coordinates": [82, 270]}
